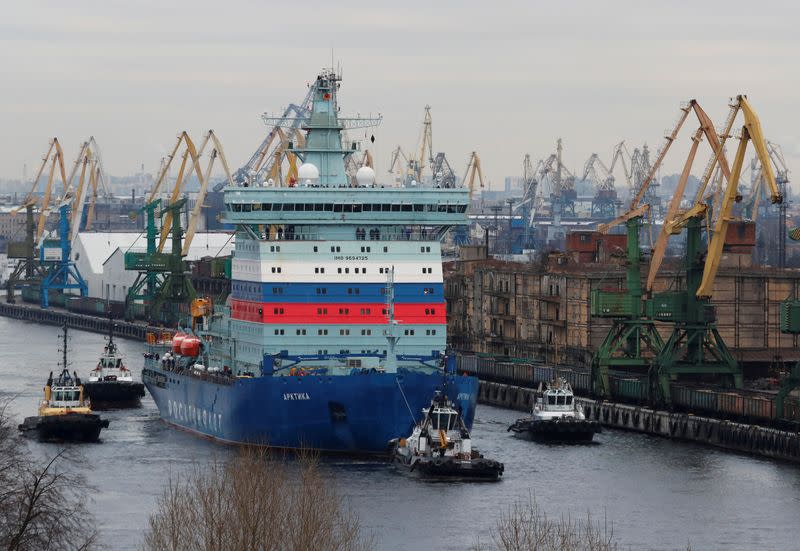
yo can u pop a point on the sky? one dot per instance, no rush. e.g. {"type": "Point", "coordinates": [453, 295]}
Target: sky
{"type": "Point", "coordinates": [502, 78]}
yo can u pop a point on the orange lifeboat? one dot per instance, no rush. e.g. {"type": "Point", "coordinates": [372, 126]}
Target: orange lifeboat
{"type": "Point", "coordinates": [190, 346]}
{"type": "Point", "coordinates": [177, 340]}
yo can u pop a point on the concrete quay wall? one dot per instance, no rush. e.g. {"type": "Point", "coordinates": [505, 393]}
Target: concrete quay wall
{"type": "Point", "coordinates": [754, 439]}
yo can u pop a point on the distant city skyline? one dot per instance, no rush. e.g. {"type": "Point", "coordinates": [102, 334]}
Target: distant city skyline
{"type": "Point", "coordinates": [503, 81]}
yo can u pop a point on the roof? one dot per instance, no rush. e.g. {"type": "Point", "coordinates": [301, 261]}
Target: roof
{"type": "Point", "coordinates": [100, 246]}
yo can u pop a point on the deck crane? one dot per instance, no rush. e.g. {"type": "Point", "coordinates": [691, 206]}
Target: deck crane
{"type": "Point", "coordinates": [633, 342]}
{"type": "Point", "coordinates": [162, 282]}
{"type": "Point", "coordinates": [695, 347]}
{"type": "Point", "coordinates": [605, 202]}
{"type": "Point", "coordinates": [29, 270]}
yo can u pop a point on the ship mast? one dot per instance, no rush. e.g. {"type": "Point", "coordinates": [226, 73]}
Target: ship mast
{"type": "Point", "coordinates": [391, 338]}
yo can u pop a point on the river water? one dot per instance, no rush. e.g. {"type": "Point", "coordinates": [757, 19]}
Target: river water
{"type": "Point", "coordinates": [655, 493]}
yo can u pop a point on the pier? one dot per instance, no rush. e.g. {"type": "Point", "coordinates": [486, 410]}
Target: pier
{"type": "Point", "coordinates": [94, 324]}
{"type": "Point", "coordinates": [741, 437]}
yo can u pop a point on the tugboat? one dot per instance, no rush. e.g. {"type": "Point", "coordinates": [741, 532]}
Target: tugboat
{"type": "Point", "coordinates": [556, 418]}
{"type": "Point", "coordinates": [440, 446]}
{"type": "Point", "coordinates": [111, 383]}
{"type": "Point", "coordinates": [64, 414]}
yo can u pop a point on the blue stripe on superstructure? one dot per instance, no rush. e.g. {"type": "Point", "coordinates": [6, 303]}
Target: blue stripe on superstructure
{"type": "Point", "coordinates": [335, 292]}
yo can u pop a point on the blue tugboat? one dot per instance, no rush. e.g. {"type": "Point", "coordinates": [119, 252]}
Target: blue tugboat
{"type": "Point", "coordinates": [335, 330]}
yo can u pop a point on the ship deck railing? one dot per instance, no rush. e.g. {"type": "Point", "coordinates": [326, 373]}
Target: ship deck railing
{"type": "Point", "coordinates": [220, 378]}
{"type": "Point", "coordinates": [317, 236]}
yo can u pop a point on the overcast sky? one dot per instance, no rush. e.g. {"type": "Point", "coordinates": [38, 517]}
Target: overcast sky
{"type": "Point", "coordinates": [503, 78]}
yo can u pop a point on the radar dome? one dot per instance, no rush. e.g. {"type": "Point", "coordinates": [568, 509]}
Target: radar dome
{"type": "Point", "coordinates": [307, 171]}
{"type": "Point", "coordinates": [365, 176]}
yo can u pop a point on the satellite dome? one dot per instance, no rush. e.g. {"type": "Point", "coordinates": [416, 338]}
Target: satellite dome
{"type": "Point", "coordinates": [365, 176]}
{"type": "Point", "coordinates": [413, 183]}
{"type": "Point", "coordinates": [307, 171]}
{"type": "Point", "coordinates": [270, 182]}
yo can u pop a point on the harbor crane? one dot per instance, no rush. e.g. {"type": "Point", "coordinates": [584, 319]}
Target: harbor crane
{"type": "Point", "coordinates": [752, 204]}
{"type": "Point", "coordinates": [531, 200]}
{"type": "Point", "coordinates": [273, 149]}
{"type": "Point", "coordinates": [55, 270]}
{"type": "Point", "coordinates": [633, 343]}
{"type": "Point", "coordinates": [641, 169]}
{"type": "Point", "coordinates": [162, 282]}
{"type": "Point", "coordinates": [604, 202]}
{"type": "Point", "coordinates": [561, 183]}
{"type": "Point", "coordinates": [29, 270]}
{"type": "Point", "coordinates": [413, 166]}
{"type": "Point", "coordinates": [473, 170]}
{"type": "Point", "coordinates": [695, 347]}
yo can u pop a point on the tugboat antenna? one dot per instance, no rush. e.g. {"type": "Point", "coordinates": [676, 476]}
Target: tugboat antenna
{"type": "Point", "coordinates": [64, 351]}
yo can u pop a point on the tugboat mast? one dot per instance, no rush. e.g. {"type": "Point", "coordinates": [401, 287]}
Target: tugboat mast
{"type": "Point", "coordinates": [64, 351]}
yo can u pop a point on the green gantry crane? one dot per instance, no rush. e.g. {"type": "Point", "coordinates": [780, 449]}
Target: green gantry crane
{"type": "Point", "coordinates": [695, 349]}
{"type": "Point", "coordinates": [633, 342]}
{"type": "Point", "coordinates": [163, 284]}
{"type": "Point", "coordinates": [790, 323]}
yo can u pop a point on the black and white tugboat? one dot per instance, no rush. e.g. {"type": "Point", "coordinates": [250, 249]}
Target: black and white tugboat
{"type": "Point", "coordinates": [440, 447]}
{"type": "Point", "coordinates": [556, 418]}
{"type": "Point", "coordinates": [111, 383]}
{"type": "Point", "coordinates": [65, 414]}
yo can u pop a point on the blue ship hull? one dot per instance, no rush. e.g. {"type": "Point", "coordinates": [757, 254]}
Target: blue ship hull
{"type": "Point", "coordinates": [354, 414]}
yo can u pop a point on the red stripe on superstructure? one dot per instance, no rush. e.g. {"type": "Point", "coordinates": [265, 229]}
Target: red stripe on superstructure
{"type": "Point", "coordinates": [337, 313]}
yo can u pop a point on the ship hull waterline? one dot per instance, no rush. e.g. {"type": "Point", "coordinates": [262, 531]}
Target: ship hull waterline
{"type": "Point", "coordinates": [351, 414]}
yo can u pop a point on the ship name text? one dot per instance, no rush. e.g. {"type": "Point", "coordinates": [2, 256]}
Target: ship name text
{"type": "Point", "coordinates": [296, 396]}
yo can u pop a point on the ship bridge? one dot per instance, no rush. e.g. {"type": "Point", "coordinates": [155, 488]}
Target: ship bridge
{"type": "Point", "coordinates": [440, 208]}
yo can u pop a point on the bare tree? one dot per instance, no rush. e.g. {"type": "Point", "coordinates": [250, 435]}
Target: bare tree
{"type": "Point", "coordinates": [42, 505]}
{"type": "Point", "coordinates": [524, 526]}
{"type": "Point", "coordinates": [253, 502]}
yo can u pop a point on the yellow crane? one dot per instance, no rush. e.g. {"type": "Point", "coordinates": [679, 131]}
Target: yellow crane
{"type": "Point", "coordinates": [192, 153]}
{"type": "Point", "coordinates": [92, 175]}
{"type": "Point", "coordinates": [674, 221]}
{"type": "Point", "coordinates": [55, 157]}
{"type": "Point", "coordinates": [751, 132]}
{"type": "Point", "coordinates": [413, 166]}
{"type": "Point", "coordinates": [473, 169]}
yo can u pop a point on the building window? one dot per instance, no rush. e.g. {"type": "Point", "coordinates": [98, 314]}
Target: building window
{"type": "Point", "coordinates": [339, 270]}
{"type": "Point", "coordinates": [316, 249]}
